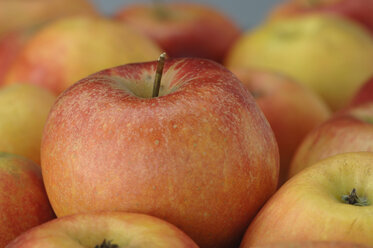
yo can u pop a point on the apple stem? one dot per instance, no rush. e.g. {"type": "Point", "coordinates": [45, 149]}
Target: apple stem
{"type": "Point", "coordinates": [107, 244]}
{"type": "Point", "coordinates": [158, 74]}
{"type": "Point", "coordinates": [354, 199]}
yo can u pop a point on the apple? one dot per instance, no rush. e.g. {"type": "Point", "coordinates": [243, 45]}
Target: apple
{"type": "Point", "coordinates": [69, 49]}
{"type": "Point", "coordinates": [200, 154]}
{"type": "Point", "coordinates": [329, 201]}
{"type": "Point", "coordinates": [15, 15]}
{"type": "Point", "coordinates": [310, 244]}
{"type": "Point", "coordinates": [364, 94]}
{"type": "Point", "coordinates": [291, 109]}
{"type": "Point", "coordinates": [104, 230]}
{"type": "Point", "coordinates": [328, 54]}
{"type": "Point", "coordinates": [23, 201]}
{"type": "Point", "coordinates": [348, 131]}
{"type": "Point", "coordinates": [23, 112]}
{"type": "Point", "coordinates": [183, 29]}
{"type": "Point", "coordinates": [359, 11]}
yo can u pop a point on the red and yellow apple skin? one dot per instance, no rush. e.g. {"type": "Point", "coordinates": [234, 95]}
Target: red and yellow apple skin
{"type": "Point", "coordinates": [201, 155]}
{"type": "Point", "coordinates": [350, 130]}
{"type": "Point", "coordinates": [364, 94]}
{"type": "Point", "coordinates": [183, 29]}
{"type": "Point", "coordinates": [91, 229]}
{"type": "Point", "coordinates": [309, 206]}
{"type": "Point", "coordinates": [291, 109]}
{"type": "Point", "coordinates": [310, 244]}
{"type": "Point", "coordinates": [23, 200]}
{"type": "Point", "coordinates": [359, 11]}
{"type": "Point", "coordinates": [69, 49]}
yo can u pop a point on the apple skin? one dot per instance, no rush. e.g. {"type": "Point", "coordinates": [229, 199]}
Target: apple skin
{"type": "Point", "coordinates": [24, 110]}
{"type": "Point", "coordinates": [309, 206]}
{"type": "Point", "coordinates": [90, 229]}
{"type": "Point", "coordinates": [23, 200]}
{"type": "Point", "coordinates": [201, 156]}
{"type": "Point", "coordinates": [291, 109]}
{"type": "Point", "coordinates": [359, 11]}
{"type": "Point", "coordinates": [183, 29]}
{"type": "Point", "coordinates": [69, 49]}
{"type": "Point", "coordinates": [364, 94]}
{"type": "Point", "coordinates": [350, 130]}
{"type": "Point", "coordinates": [310, 244]}
{"type": "Point", "coordinates": [328, 54]}
{"type": "Point", "coordinates": [16, 15]}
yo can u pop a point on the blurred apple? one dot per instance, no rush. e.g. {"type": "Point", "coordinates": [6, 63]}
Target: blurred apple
{"type": "Point", "coordinates": [329, 201]}
{"type": "Point", "coordinates": [364, 94]}
{"type": "Point", "coordinates": [67, 50]}
{"type": "Point", "coordinates": [200, 155]}
{"type": "Point", "coordinates": [183, 29]}
{"type": "Point", "coordinates": [104, 230]}
{"type": "Point", "coordinates": [23, 201]}
{"type": "Point", "coordinates": [23, 112]}
{"type": "Point", "coordinates": [291, 109]}
{"type": "Point", "coordinates": [328, 54]}
{"type": "Point", "coordinates": [310, 244]}
{"type": "Point", "coordinates": [348, 131]}
{"type": "Point", "coordinates": [15, 15]}
{"type": "Point", "coordinates": [359, 11]}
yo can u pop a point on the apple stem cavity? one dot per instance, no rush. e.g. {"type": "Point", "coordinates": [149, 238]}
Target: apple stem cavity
{"type": "Point", "coordinates": [160, 10]}
{"type": "Point", "coordinates": [354, 199]}
{"type": "Point", "coordinates": [107, 244]}
{"type": "Point", "coordinates": [158, 74]}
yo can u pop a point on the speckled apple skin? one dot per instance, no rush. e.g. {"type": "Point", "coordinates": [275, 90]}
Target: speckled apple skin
{"type": "Point", "coordinates": [201, 155]}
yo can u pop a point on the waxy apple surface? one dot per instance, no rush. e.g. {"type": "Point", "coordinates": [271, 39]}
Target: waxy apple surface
{"type": "Point", "coordinates": [96, 229]}
{"type": "Point", "coordinates": [201, 155]}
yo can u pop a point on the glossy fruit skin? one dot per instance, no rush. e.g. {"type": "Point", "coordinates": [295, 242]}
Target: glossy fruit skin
{"type": "Point", "coordinates": [184, 29]}
{"type": "Point", "coordinates": [201, 155]}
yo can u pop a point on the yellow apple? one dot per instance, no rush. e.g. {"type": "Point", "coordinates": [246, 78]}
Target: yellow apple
{"type": "Point", "coordinates": [23, 112]}
{"type": "Point", "coordinates": [329, 54]}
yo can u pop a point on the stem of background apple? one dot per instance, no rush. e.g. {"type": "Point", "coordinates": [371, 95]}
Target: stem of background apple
{"type": "Point", "coordinates": [354, 199]}
{"type": "Point", "coordinates": [158, 74]}
{"type": "Point", "coordinates": [107, 244]}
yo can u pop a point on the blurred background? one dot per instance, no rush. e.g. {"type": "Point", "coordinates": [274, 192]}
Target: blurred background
{"type": "Point", "coordinates": [246, 13]}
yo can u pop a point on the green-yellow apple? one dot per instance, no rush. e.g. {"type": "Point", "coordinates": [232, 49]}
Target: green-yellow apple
{"type": "Point", "coordinates": [69, 49]}
{"type": "Point", "coordinates": [329, 54]}
{"type": "Point", "coordinates": [104, 230]}
{"type": "Point", "coordinates": [347, 131]}
{"type": "Point", "coordinates": [183, 29]}
{"type": "Point", "coordinates": [200, 154]}
{"type": "Point", "coordinates": [23, 111]}
{"type": "Point", "coordinates": [16, 15]}
{"type": "Point", "coordinates": [329, 201]}
{"type": "Point", "coordinates": [310, 244]}
{"type": "Point", "coordinates": [359, 11]}
{"type": "Point", "coordinates": [23, 201]}
{"type": "Point", "coordinates": [291, 109]}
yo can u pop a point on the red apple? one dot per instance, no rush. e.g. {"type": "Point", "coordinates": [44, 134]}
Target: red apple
{"type": "Point", "coordinates": [104, 230]}
{"type": "Point", "coordinates": [329, 201]}
{"type": "Point", "coordinates": [291, 109]}
{"type": "Point", "coordinates": [183, 29]}
{"type": "Point", "coordinates": [64, 51]}
{"type": "Point", "coordinates": [348, 131]}
{"type": "Point", "coordinates": [201, 155]}
{"type": "Point", "coordinates": [23, 201]}
{"type": "Point", "coordinates": [359, 11]}
{"type": "Point", "coordinates": [310, 244]}
{"type": "Point", "coordinates": [364, 94]}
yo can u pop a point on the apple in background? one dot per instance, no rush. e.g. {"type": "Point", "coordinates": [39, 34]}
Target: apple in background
{"type": "Point", "coordinates": [201, 155]}
{"type": "Point", "coordinates": [23, 111]}
{"type": "Point", "coordinates": [364, 94]}
{"type": "Point", "coordinates": [347, 131]}
{"type": "Point", "coordinates": [183, 29]}
{"type": "Point", "coordinates": [15, 15]}
{"type": "Point", "coordinates": [359, 11]}
{"type": "Point", "coordinates": [328, 54]}
{"type": "Point", "coordinates": [69, 49]}
{"type": "Point", "coordinates": [329, 201]}
{"type": "Point", "coordinates": [104, 230]}
{"type": "Point", "coordinates": [291, 109]}
{"type": "Point", "coordinates": [23, 201]}
{"type": "Point", "coordinates": [310, 244]}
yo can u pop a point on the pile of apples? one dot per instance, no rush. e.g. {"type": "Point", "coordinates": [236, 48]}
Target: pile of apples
{"type": "Point", "coordinates": [167, 125]}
